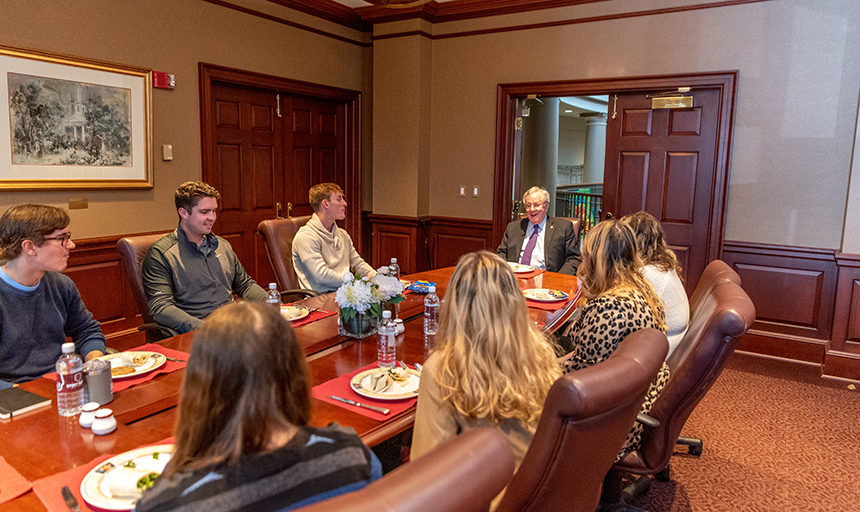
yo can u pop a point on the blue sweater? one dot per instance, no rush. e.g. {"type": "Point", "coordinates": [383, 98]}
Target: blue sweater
{"type": "Point", "coordinates": [34, 325]}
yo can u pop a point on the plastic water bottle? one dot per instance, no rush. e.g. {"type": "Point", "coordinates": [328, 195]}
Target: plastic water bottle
{"type": "Point", "coordinates": [387, 344]}
{"type": "Point", "coordinates": [395, 268]}
{"type": "Point", "coordinates": [431, 317]}
{"type": "Point", "coordinates": [70, 382]}
{"type": "Point", "coordinates": [274, 297]}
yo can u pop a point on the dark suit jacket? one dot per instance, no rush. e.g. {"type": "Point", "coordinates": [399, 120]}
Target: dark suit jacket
{"type": "Point", "coordinates": [560, 245]}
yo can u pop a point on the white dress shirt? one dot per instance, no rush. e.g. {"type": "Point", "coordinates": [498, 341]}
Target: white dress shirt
{"type": "Point", "coordinates": [538, 259]}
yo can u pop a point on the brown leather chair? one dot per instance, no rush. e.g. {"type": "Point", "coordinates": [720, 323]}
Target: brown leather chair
{"type": "Point", "coordinates": [577, 225]}
{"type": "Point", "coordinates": [716, 272]}
{"type": "Point", "coordinates": [585, 421]}
{"type": "Point", "coordinates": [278, 235]}
{"type": "Point", "coordinates": [463, 474]}
{"type": "Point", "coordinates": [133, 249]}
{"type": "Point", "coordinates": [720, 319]}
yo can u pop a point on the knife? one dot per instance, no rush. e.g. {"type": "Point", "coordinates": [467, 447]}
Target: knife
{"type": "Point", "coordinates": [70, 500]}
{"type": "Point", "coordinates": [381, 410]}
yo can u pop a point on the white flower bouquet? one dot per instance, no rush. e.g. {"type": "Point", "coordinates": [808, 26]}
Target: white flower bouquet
{"type": "Point", "coordinates": [359, 294]}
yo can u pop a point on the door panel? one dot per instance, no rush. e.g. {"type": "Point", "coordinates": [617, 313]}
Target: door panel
{"type": "Point", "coordinates": [249, 170]}
{"type": "Point", "coordinates": [663, 162]}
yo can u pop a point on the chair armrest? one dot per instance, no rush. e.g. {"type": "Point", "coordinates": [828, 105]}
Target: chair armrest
{"type": "Point", "coordinates": [646, 420]}
{"type": "Point", "coordinates": [298, 291]}
{"type": "Point", "coordinates": [153, 326]}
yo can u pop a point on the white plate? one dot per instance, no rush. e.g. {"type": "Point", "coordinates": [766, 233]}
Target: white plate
{"type": "Point", "coordinates": [545, 295]}
{"type": "Point", "coordinates": [293, 313]}
{"type": "Point", "coordinates": [396, 391]}
{"type": "Point", "coordinates": [155, 361]}
{"type": "Point", "coordinates": [520, 269]}
{"type": "Point", "coordinates": [92, 489]}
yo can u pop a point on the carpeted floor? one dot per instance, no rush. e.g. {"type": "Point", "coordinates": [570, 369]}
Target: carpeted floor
{"type": "Point", "coordinates": [771, 443]}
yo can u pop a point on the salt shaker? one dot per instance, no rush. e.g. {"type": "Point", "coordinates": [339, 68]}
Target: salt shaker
{"type": "Point", "coordinates": [88, 414]}
{"type": "Point", "coordinates": [104, 422]}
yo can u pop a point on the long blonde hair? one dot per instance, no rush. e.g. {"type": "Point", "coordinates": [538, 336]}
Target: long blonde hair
{"type": "Point", "coordinates": [651, 242]}
{"type": "Point", "coordinates": [611, 266]}
{"type": "Point", "coordinates": [495, 363]}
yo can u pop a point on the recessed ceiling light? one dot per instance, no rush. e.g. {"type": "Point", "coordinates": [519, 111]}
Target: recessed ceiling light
{"type": "Point", "coordinates": [568, 111]}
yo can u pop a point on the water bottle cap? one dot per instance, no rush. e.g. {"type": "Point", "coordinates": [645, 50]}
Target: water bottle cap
{"type": "Point", "coordinates": [393, 260]}
{"type": "Point", "coordinates": [431, 289]}
{"type": "Point", "coordinates": [386, 314]}
{"type": "Point", "coordinates": [273, 286]}
{"type": "Point", "coordinates": [68, 348]}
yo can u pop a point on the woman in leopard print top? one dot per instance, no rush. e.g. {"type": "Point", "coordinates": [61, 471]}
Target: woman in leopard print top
{"type": "Point", "coordinates": [619, 302]}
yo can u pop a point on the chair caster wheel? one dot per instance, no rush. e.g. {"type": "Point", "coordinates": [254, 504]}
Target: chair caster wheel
{"type": "Point", "coordinates": [694, 450]}
{"type": "Point", "coordinates": [663, 476]}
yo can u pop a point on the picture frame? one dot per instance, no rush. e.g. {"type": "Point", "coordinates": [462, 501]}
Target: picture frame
{"type": "Point", "coordinates": [71, 123]}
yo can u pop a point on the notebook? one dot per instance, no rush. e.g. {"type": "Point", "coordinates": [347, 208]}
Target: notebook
{"type": "Point", "coordinates": [14, 401]}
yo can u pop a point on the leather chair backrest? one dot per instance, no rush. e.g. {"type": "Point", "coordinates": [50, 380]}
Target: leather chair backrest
{"type": "Point", "coordinates": [716, 272]}
{"type": "Point", "coordinates": [577, 225]}
{"type": "Point", "coordinates": [133, 249]}
{"type": "Point", "coordinates": [719, 321]}
{"type": "Point", "coordinates": [585, 421]}
{"type": "Point", "coordinates": [278, 235]}
{"type": "Point", "coordinates": [463, 474]}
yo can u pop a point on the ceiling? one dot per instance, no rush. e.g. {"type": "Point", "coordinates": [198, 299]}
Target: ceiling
{"type": "Point", "coordinates": [361, 3]}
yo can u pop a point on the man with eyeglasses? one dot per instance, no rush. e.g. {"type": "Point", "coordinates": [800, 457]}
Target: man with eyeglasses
{"type": "Point", "coordinates": [191, 272]}
{"type": "Point", "coordinates": [541, 241]}
{"type": "Point", "coordinates": [39, 306]}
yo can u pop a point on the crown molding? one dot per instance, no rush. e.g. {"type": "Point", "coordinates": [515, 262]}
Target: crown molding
{"type": "Point", "coordinates": [328, 10]}
{"type": "Point", "coordinates": [436, 12]}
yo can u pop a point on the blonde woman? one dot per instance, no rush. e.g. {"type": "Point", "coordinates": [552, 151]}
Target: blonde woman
{"type": "Point", "coordinates": [619, 302]}
{"type": "Point", "coordinates": [661, 269]}
{"type": "Point", "coordinates": [491, 367]}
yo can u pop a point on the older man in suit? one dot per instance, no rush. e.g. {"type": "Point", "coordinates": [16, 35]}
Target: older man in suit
{"type": "Point", "coordinates": [539, 240]}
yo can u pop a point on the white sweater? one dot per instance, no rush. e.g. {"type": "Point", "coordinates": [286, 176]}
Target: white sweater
{"type": "Point", "coordinates": [669, 287]}
{"type": "Point", "coordinates": [321, 257]}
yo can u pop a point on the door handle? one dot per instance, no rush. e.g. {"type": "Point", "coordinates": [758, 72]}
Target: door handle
{"type": "Point", "coordinates": [289, 210]}
{"type": "Point", "coordinates": [278, 211]}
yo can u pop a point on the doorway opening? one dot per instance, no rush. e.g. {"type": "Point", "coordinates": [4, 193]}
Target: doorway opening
{"type": "Point", "coordinates": [670, 162]}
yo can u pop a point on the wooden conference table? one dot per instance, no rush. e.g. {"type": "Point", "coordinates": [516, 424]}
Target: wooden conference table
{"type": "Point", "coordinates": [42, 443]}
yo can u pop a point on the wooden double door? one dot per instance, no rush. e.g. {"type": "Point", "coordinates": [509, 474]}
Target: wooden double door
{"type": "Point", "coordinates": [264, 147]}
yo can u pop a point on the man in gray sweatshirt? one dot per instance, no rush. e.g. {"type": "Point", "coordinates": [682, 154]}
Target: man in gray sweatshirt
{"type": "Point", "coordinates": [39, 306]}
{"type": "Point", "coordinates": [191, 272]}
{"type": "Point", "coordinates": [322, 252]}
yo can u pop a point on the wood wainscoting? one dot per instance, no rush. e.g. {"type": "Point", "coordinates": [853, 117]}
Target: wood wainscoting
{"type": "Point", "coordinates": [806, 304]}
{"type": "Point", "coordinates": [97, 270]}
{"type": "Point", "coordinates": [428, 242]}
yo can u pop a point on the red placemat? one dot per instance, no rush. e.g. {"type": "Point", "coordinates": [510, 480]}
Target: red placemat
{"type": "Point", "coordinates": [167, 367]}
{"type": "Point", "coordinates": [340, 387]}
{"type": "Point", "coordinates": [12, 483]}
{"type": "Point", "coordinates": [547, 306]}
{"type": "Point", "coordinates": [49, 489]}
{"type": "Point", "coordinates": [316, 314]}
{"type": "Point", "coordinates": [528, 275]}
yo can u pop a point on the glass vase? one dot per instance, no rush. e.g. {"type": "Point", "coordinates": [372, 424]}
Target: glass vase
{"type": "Point", "coordinates": [359, 326]}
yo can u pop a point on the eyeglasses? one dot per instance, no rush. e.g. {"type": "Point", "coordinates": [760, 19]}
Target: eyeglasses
{"type": "Point", "coordinates": [534, 206]}
{"type": "Point", "coordinates": [63, 239]}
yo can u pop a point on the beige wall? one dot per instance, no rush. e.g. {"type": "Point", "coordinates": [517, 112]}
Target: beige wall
{"type": "Point", "coordinates": [173, 36]}
{"type": "Point", "coordinates": [797, 100]}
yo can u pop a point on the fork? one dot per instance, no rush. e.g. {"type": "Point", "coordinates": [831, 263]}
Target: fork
{"type": "Point", "coordinates": [403, 365]}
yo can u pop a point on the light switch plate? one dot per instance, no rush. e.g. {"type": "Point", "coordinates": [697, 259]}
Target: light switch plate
{"type": "Point", "coordinates": [167, 152]}
{"type": "Point", "coordinates": [462, 191]}
{"type": "Point", "coordinates": [475, 191]}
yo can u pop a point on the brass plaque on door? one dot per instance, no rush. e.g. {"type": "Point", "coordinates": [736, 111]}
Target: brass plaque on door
{"type": "Point", "coordinates": [672, 102]}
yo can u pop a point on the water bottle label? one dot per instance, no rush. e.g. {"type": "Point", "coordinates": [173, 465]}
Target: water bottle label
{"type": "Point", "coordinates": [391, 341]}
{"type": "Point", "coordinates": [71, 382]}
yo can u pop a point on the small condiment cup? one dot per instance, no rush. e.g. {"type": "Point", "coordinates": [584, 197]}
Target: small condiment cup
{"type": "Point", "coordinates": [88, 414]}
{"type": "Point", "coordinates": [104, 422]}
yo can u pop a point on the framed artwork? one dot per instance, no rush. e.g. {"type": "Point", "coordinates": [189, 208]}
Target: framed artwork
{"type": "Point", "coordinates": [68, 123]}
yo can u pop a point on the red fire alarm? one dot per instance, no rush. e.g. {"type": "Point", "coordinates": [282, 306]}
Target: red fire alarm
{"type": "Point", "coordinates": [162, 80]}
